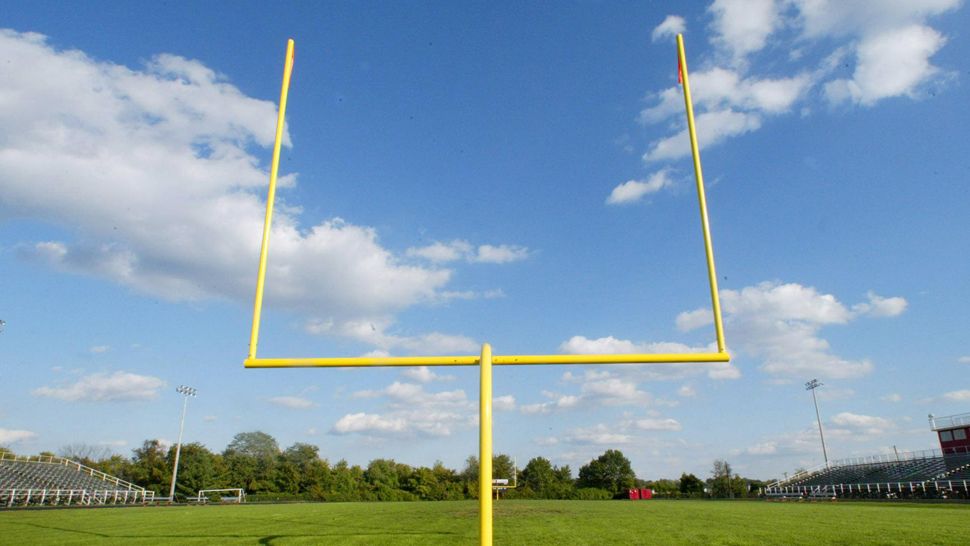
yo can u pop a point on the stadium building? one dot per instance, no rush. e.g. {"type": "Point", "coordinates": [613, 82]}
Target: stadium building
{"type": "Point", "coordinates": [934, 473]}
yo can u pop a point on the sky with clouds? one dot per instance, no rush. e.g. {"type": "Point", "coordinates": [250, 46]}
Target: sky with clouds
{"type": "Point", "coordinates": [516, 174]}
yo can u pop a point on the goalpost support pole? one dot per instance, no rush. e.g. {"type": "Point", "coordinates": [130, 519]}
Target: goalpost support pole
{"type": "Point", "coordinates": [485, 447]}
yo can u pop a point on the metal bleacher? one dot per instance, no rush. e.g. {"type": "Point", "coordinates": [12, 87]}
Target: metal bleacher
{"type": "Point", "coordinates": [915, 474]}
{"type": "Point", "coordinates": [48, 480]}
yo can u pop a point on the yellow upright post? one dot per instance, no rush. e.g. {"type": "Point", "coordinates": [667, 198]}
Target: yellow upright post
{"type": "Point", "coordinates": [270, 198]}
{"type": "Point", "coordinates": [702, 200]}
{"type": "Point", "coordinates": [485, 447]}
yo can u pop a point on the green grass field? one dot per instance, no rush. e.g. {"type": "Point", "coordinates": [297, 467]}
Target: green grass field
{"type": "Point", "coordinates": [516, 522]}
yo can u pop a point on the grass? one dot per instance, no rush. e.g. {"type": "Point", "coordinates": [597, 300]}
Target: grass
{"type": "Point", "coordinates": [516, 522]}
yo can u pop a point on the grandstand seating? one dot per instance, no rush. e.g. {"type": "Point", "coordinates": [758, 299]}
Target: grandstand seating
{"type": "Point", "coordinates": [54, 480]}
{"type": "Point", "coordinates": [957, 467]}
{"type": "Point", "coordinates": [927, 473]}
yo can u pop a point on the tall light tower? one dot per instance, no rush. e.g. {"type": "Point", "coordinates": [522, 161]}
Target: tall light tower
{"type": "Point", "coordinates": [186, 392]}
{"type": "Point", "coordinates": [811, 386]}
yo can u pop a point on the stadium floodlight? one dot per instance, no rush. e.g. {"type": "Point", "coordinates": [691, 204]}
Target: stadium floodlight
{"type": "Point", "coordinates": [186, 392]}
{"type": "Point", "coordinates": [811, 386]}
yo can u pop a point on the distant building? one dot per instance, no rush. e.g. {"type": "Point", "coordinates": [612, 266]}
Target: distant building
{"type": "Point", "coordinates": [954, 433]}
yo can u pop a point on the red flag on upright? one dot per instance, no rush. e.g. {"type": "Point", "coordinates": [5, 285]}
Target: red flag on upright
{"type": "Point", "coordinates": [680, 70]}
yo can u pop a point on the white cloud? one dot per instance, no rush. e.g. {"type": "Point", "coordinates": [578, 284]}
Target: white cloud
{"type": "Point", "coordinates": [374, 332]}
{"type": "Point", "coordinates": [879, 306]}
{"type": "Point", "coordinates": [612, 345]}
{"type": "Point", "coordinates": [98, 349]}
{"type": "Point", "coordinates": [958, 396]}
{"type": "Point", "coordinates": [439, 252]}
{"type": "Point", "coordinates": [671, 26]}
{"type": "Point", "coordinates": [158, 170]}
{"type": "Point", "coordinates": [763, 448]}
{"type": "Point", "coordinates": [597, 435]}
{"type": "Point", "coordinates": [821, 18]}
{"type": "Point", "coordinates": [292, 402]}
{"type": "Point", "coordinates": [780, 323]}
{"type": "Point", "coordinates": [210, 418]}
{"type": "Point", "coordinates": [658, 424]}
{"type": "Point", "coordinates": [410, 410]}
{"type": "Point", "coordinates": [691, 320]}
{"type": "Point", "coordinates": [500, 254]}
{"type": "Point", "coordinates": [614, 391]}
{"type": "Point", "coordinates": [867, 424]}
{"type": "Point", "coordinates": [743, 26]}
{"type": "Point", "coordinates": [11, 436]}
{"type": "Point", "coordinates": [890, 42]}
{"type": "Point", "coordinates": [964, 360]}
{"type": "Point", "coordinates": [687, 391]}
{"type": "Point", "coordinates": [423, 374]}
{"type": "Point", "coordinates": [712, 128]}
{"type": "Point", "coordinates": [893, 397]}
{"type": "Point", "coordinates": [890, 64]}
{"type": "Point", "coordinates": [456, 250]}
{"type": "Point", "coordinates": [369, 423]}
{"type": "Point", "coordinates": [504, 403]}
{"type": "Point", "coordinates": [557, 402]}
{"type": "Point", "coordinates": [632, 191]}
{"type": "Point", "coordinates": [104, 387]}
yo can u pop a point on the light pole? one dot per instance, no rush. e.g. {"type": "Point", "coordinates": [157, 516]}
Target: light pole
{"type": "Point", "coordinates": [186, 392]}
{"type": "Point", "coordinates": [811, 386]}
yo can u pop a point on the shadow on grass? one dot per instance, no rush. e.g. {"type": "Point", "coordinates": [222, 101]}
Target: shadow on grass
{"type": "Point", "coordinates": [266, 540]}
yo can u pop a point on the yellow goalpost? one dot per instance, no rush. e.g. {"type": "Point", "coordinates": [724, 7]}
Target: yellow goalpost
{"type": "Point", "coordinates": [485, 360]}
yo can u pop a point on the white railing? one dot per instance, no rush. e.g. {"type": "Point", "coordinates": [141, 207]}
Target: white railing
{"type": "Point", "coordinates": [950, 421]}
{"type": "Point", "coordinates": [799, 475]}
{"type": "Point", "coordinates": [889, 458]}
{"type": "Point", "coordinates": [50, 459]}
{"type": "Point", "coordinates": [877, 488]}
{"type": "Point", "coordinates": [67, 497]}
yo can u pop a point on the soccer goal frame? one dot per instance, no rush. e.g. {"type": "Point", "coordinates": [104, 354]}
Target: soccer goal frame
{"type": "Point", "coordinates": [240, 495]}
{"type": "Point", "coordinates": [485, 360]}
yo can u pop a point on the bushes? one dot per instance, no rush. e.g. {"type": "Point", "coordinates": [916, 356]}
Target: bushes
{"type": "Point", "coordinates": [592, 493]}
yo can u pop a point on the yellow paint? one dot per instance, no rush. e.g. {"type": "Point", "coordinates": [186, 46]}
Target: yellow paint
{"type": "Point", "coordinates": [485, 446]}
{"type": "Point", "coordinates": [270, 199]}
{"type": "Point", "coordinates": [701, 199]}
{"type": "Point", "coordinates": [486, 360]}
{"type": "Point", "coordinates": [498, 360]}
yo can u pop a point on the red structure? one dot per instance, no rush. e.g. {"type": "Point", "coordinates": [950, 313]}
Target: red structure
{"type": "Point", "coordinates": [646, 494]}
{"type": "Point", "coordinates": [634, 494]}
{"type": "Point", "coordinates": [954, 433]}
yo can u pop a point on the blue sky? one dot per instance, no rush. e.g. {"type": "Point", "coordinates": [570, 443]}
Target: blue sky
{"type": "Point", "coordinates": [516, 174]}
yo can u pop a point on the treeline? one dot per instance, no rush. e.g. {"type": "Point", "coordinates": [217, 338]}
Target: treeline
{"type": "Point", "coordinates": [255, 462]}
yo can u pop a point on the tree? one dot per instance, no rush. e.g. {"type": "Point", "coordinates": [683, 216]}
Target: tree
{"type": "Point", "coordinates": [503, 467]}
{"type": "Point", "coordinates": [541, 479]}
{"type": "Point", "coordinates": [300, 470]}
{"type": "Point", "coordinates": [724, 483]}
{"type": "Point", "coordinates": [197, 469]}
{"type": "Point", "coordinates": [85, 454]}
{"type": "Point", "coordinates": [150, 468]}
{"type": "Point", "coordinates": [115, 465]}
{"type": "Point", "coordinates": [256, 444]}
{"type": "Point", "coordinates": [538, 476]}
{"type": "Point", "coordinates": [691, 484]}
{"type": "Point", "coordinates": [664, 487]}
{"type": "Point", "coordinates": [610, 471]}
